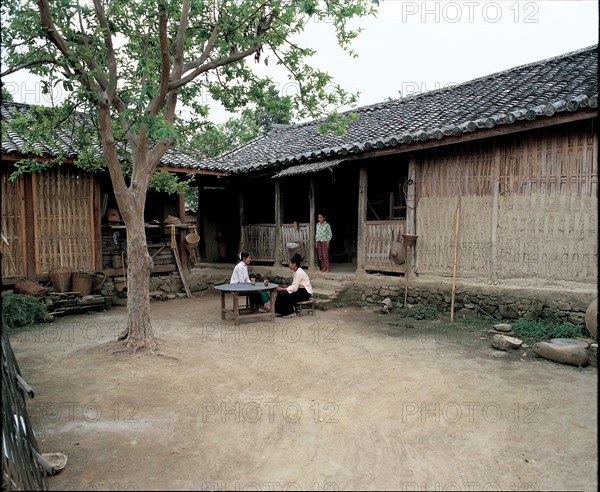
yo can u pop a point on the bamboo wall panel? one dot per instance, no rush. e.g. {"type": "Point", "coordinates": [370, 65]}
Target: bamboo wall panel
{"type": "Point", "coordinates": [546, 211]}
{"type": "Point", "coordinates": [292, 234]}
{"type": "Point", "coordinates": [12, 226]}
{"type": "Point", "coordinates": [64, 220]}
{"type": "Point", "coordinates": [464, 170]}
{"type": "Point", "coordinates": [545, 237]}
{"type": "Point", "coordinates": [436, 228]}
{"type": "Point", "coordinates": [379, 236]}
{"type": "Point", "coordinates": [259, 240]}
{"type": "Point", "coordinates": [553, 162]}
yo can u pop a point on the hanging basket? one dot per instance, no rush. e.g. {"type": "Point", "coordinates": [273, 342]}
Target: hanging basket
{"type": "Point", "coordinates": [82, 283]}
{"type": "Point", "coordinates": [61, 279]}
{"type": "Point", "coordinates": [192, 240]}
{"type": "Point", "coordinates": [30, 287]}
{"type": "Point", "coordinates": [397, 251]}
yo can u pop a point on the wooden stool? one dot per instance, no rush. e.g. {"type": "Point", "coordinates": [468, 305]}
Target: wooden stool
{"type": "Point", "coordinates": [305, 306]}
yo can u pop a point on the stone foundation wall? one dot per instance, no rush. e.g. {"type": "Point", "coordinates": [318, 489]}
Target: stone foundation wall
{"type": "Point", "coordinates": [497, 303]}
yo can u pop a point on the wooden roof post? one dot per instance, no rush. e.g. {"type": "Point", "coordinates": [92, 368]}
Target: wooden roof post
{"type": "Point", "coordinates": [493, 250]}
{"type": "Point", "coordinates": [183, 253]}
{"type": "Point", "coordinates": [277, 222]}
{"type": "Point", "coordinates": [411, 214]}
{"type": "Point", "coordinates": [242, 243]}
{"type": "Point", "coordinates": [312, 224]}
{"type": "Point", "coordinates": [362, 217]}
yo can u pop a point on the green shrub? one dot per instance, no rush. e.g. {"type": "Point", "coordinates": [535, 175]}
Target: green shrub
{"type": "Point", "coordinates": [539, 330]}
{"type": "Point", "coordinates": [420, 311]}
{"type": "Point", "coordinates": [22, 310]}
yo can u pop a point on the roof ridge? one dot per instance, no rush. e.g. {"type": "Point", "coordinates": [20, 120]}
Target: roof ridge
{"type": "Point", "coordinates": [489, 76]}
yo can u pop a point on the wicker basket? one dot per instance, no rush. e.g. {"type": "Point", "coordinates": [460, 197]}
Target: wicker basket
{"type": "Point", "coordinates": [192, 240]}
{"type": "Point", "coordinates": [31, 287]}
{"type": "Point", "coordinates": [98, 281]}
{"type": "Point", "coordinates": [61, 279]}
{"type": "Point", "coordinates": [82, 283]}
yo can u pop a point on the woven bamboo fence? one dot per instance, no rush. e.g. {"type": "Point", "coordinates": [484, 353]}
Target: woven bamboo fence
{"type": "Point", "coordinates": [293, 233]}
{"type": "Point", "coordinates": [64, 219]}
{"type": "Point", "coordinates": [259, 239]}
{"type": "Point", "coordinates": [12, 226]}
{"type": "Point", "coordinates": [20, 469]}
{"type": "Point", "coordinates": [379, 236]}
{"type": "Point", "coordinates": [528, 206]}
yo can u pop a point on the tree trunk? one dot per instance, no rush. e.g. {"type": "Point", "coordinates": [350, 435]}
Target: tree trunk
{"type": "Point", "coordinates": [139, 266]}
{"type": "Point", "coordinates": [132, 203]}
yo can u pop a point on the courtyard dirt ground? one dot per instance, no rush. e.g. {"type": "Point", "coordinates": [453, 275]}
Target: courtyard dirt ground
{"type": "Point", "coordinates": [348, 399]}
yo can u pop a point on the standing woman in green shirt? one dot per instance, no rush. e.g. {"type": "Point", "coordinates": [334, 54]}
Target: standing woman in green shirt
{"type": "Point", "coordinates": [322, 238]}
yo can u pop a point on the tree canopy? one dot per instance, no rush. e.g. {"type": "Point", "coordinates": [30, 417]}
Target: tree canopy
{"type": "Point", "coordinates": [127, 65]}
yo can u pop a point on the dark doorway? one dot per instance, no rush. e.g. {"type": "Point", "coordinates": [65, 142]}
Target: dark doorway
{"type": "Point", "coordinates": [336, 197]}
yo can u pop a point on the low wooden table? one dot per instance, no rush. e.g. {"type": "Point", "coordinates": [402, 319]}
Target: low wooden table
{"type": "Point", "coordinates": [237, 290]}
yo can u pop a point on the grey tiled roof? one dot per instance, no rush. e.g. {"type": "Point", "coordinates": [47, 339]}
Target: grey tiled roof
{"type": "Point", "coordinates": [61, 143]}
{"type": "Point", "coordinates": [309, 167]}
{"type": "Point", "coordinates": [565, 83]}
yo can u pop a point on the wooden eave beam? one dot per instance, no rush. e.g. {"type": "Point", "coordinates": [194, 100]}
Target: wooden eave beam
{"type": "Point", "coordinates": [479, 134]}
{"type": "Point", "coordinates": [188, 170]}
{"type": "Point", "coordinates": [18, 157]}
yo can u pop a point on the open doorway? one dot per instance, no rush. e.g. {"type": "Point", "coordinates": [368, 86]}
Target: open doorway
{"type": "Point", "coordinates": [336, 197]}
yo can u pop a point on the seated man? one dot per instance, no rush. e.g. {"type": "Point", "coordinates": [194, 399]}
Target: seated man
{"type": "Point", "coordinates": [300, 290]}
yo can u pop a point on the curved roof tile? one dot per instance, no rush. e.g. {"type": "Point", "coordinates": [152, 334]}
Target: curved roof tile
{"type": "Point", "coordinates": [540, 89]}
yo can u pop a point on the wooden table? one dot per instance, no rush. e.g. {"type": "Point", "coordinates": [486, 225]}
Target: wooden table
{"type": "Point", "coordinates": [243, 289]}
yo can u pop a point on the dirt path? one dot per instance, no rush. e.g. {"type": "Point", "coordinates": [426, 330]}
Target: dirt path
{"type": "Point", "coordinates": [347, 399]}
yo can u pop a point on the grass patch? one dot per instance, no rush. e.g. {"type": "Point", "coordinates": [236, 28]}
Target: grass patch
{"type": "Point", "coordinates": [344, 298]}
{"type": "Point", "coordinates": [20, 310]}
{"type": "Point", "coordinates": [540, 330]}
{"type": "Point", "coordinates": [420, 311]}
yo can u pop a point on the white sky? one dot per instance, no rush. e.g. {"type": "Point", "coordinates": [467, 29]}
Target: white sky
{"type": "Point", "coordinates": [416, 46]}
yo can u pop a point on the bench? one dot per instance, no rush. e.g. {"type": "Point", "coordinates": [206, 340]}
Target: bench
{"type": "Point", "coordinates": [307, 307]}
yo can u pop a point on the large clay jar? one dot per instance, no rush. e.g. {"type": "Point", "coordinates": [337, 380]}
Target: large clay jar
{"type": "Point", "coordinates": [591, 318]}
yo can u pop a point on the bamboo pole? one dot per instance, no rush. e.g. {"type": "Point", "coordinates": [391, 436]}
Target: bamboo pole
{"type": "Point", "coordinates": [455, 259]}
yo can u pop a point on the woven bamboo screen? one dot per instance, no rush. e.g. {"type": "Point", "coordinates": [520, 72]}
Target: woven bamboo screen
{"type": "Point", "coordinates": [379, 237]}
{"type": "Point", "coordinates": [12, 227]}
{"type": "Point", "coordinates": [553, 163]}
{"type": "Point", "coordinates": [528, 206]}
{"type": "Point", "coordinates": [64, 220]}
{"type": "Point", "coordinates": [290, 233]}
{"type": "Point", "coordinates": [459, 170]}
{"type": "Point", "coordinates": [258, 239]}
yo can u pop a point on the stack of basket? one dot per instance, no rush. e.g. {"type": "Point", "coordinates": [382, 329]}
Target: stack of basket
{"type": "Point", "coordinates": [61, 279]}
{"type": "Point", "coordinates": [171, 220]}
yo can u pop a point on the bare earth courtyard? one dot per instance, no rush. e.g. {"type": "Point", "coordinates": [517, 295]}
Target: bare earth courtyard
{"type": "Point", "coordinates": [348, 399]}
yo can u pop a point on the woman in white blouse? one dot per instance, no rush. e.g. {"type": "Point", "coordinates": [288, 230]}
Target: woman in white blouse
{"type": "Point", "coordinates": [240, 276]}
{"type": "Point", "coordinates": [300, 290]}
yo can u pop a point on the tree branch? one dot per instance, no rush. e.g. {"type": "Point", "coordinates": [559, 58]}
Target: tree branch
{"type": "Point", "coordinates": [210, 44]}
{"type": "Point", "coordinates": [26, 65]}
{"type": "Point", "coordinates": [175, 84]}
{"type": "Point", "coordinates": [156, 104]}
{"type": "Point", "coordinates": [111, 83]}
{"type": "Point", "coordinates": [59, 42]}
